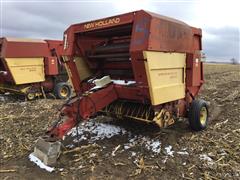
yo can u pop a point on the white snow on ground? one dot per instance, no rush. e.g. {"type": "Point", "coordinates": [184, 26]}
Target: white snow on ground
{"type": "Point", "coordinates": [133, 153]}
{"type": "Point", "coordinates": [205, 157]}
{"type": "Point", "coordinates": [2, 98]}
{"type": "Point", "coordinates": [154, 145]}
{"type": "Point", "coordinates": [169, 150]}
{"type": "Point", "coordinates": [183, 153]}
{"type": "Point", "coordinates": [91, 132]}
{"type": "Point", "coordinates": [131, 143]}
{"type": "Point", "coordinates": [39, 163]}
{"type": "Point", "coordinates": [150, 144]}
{"type": "Point", "coordinates": [97, 130]}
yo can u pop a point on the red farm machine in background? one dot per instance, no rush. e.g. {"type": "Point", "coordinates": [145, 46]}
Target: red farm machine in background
{"type": "Point", "coordinates": [33, 67]}
{"type": "Point", "coordinates": [138, 65]}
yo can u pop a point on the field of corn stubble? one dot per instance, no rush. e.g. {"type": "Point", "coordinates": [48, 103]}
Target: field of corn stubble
{"type": "Point", "coordinates": [110, 149]}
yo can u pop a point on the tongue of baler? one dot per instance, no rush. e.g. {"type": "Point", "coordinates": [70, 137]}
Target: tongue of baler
{"type": "Point", "coordinates": [78, 109]}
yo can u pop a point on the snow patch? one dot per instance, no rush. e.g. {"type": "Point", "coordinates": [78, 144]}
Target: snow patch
{"type": "Point", "coordinates": [2, 98]}
{"type": "Point", "coordinates": [206, 158]}
{"type": "Point", "coordinates": [169, 150]}
{"type": "Point", "coordinates": [165, 159]}
{"type": "Point", "coordinates": [126, 147]}
{"type": "Point", "coordinates": [154, 146]}
{"type": "Point", "coordinates": [92, 131]}
{"type": "Point", "coordinates": [131, 143]}
{"type": "Point", "coordinates": [93, 155]}
{"type": "Point", "coordinates": [150, 144]}
{"type": "Point", "coordinates": [39, 163]}
{"type": "Point", "coordinates": [97, 131]}
{"type": "Point", "coordinates": [183, 153]}
{"type": "Point", "coordinates": [133, 153]}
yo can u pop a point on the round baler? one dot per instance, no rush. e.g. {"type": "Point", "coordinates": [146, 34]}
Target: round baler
{"type": "Point", "coordinates": [138, 65]}
{"type": "Point", "coordinates": [32, 67]}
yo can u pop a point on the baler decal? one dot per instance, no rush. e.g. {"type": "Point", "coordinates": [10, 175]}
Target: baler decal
{"type": "Point", "coordinates": [102, 23]}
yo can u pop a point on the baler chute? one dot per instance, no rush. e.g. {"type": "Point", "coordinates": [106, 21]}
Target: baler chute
{"type": "Point", "coordinates": [138, 65]}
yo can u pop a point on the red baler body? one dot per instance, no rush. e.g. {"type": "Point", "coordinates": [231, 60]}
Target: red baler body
{"type": "Point", "coordinates": [115, 47]}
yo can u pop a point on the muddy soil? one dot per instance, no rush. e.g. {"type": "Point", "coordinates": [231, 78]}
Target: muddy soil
{"type": "Point", "coordinates": [114, 149]}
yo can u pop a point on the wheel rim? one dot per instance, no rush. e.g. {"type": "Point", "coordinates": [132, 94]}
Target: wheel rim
{"type": "Point", "coordinates": [203, 115]}
{"type": "Point", "coordinates": [30, 96]}
{"type": "Point", "coordinates": [64, 91]}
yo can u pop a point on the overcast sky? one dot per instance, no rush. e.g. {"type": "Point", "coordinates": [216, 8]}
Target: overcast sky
{"type": "Point", "coordinates": [46, 19]}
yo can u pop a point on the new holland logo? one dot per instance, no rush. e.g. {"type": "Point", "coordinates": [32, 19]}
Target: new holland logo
{"type": "Point", "coordinates": [101, 23]}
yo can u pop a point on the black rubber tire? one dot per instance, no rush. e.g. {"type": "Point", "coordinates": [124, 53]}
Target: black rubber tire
{"type": "Point", "coordinates": [194, 115]}
{"type": "Point", "coordinates": [59, 87]}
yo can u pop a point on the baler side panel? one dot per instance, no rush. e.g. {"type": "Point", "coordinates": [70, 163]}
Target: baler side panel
{"type": "Point", "coordinates": [166, 76]}
{"type": "Point", "coordinates": [26, 70]}
{"type": "Point", "coordinates": [73, 73]}
{"type": "Point", "coordinates": [83, 69]}
{"type": "Point", "coordinates": [55, 45]}
{"type": "Point", "coordinates": [139, 42]}
{"type": "Point", "coordinates": [195, 77]}
{"type": "Point", "coordinates": [25, 49]}
{"type": "Point", "coordinates": [140, 32]}
{"type": "Point", "coordinates": [168, 36]}
{"type": "Point", "coordinates": [51, 66]}
{"type": "Point", "coordinates": [1, 46]}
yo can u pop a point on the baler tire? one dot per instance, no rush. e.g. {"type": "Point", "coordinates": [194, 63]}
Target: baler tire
{"type": "Point", "coordinates": [59, 87]}
{"type": "Point", "coordinates": [198, 115]}
{"type": "Point", "coordinates": [30, 96]}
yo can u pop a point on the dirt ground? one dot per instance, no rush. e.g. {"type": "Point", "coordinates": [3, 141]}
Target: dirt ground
{"type": "Point", "coordinates": [114, 149]}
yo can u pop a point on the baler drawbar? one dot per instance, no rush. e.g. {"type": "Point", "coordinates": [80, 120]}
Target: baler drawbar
{"type": "Point", "coordinates": [138, 65]}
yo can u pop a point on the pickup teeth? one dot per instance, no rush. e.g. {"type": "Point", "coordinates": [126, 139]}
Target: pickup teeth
{"type": "Point", "coordinates": [132, 110]}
